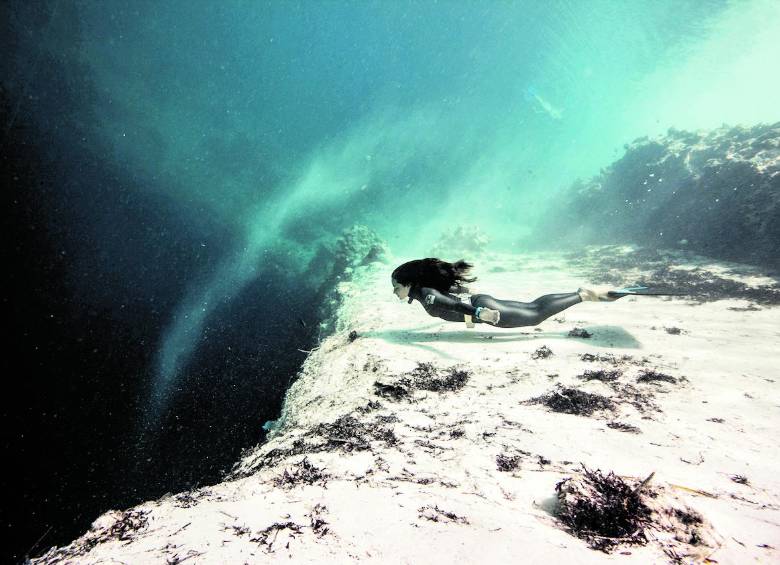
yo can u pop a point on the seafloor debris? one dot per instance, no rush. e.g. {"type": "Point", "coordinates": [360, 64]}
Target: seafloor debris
{"type": "Point", "coordinates": [237, 530]}
{"type": "Point", "coordinates": [508, 462]}
{"type": "Point", "coordinates": [350, 434]}
{"type": "Point", "coordinates": [425, 376]}
{"type": "Point", "coordinates": [188, 499]}
{"type": "Point", "coordinates": [304, 472]}
{"type": "Point", "coordinates": [654, 376]}
{"type": "Point", "coordinates": [372, 405]}
{"type": "Point", "coordinates": [629, 394]}
{"type": "Point", "coordinates": [573, 401]}
{"type": "Point", "coordinates": [541, 353]}
{"type": "Point", "coordinates": [436, 514]}
{"type": "Point", "coordinates": [612, 359]}
{"type": "Point", "coordinates": [346, 434]}
{"type": "Point", "coordinates": [607, 512]}
{"type": "Point", "coordinates": [603, 510]}
{"type": "Point", "coordinates": [580, 332]}
{"type": "Point", "coordinates": [601, 375]}
{"type": "Point", "coordinates": [115, 525]}
{"type": "Point", "coordinates": [749, 308]}
{"type": "Point", "coordinates": [316, 521]}
{"type": "Point", "coordinates": [623, 427]}
{"type": "Point", "coordinates": [398, 391]}
{"type": "Point", "coordinates": [268, 536]}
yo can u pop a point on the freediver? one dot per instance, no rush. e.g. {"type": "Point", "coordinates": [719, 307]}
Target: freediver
{"type": "Point", "coordinates": [432, 281]}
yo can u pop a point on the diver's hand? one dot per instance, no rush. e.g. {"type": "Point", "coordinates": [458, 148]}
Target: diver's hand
{"type": "Point", "coordinates": [488, 315]}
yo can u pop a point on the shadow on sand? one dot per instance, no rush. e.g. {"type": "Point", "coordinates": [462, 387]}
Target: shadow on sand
{"type": "Point", "coordinates": [602, 336]}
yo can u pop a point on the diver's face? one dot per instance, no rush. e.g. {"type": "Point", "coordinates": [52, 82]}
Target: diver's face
{"type": "Point", "coordinates": [401, 290]}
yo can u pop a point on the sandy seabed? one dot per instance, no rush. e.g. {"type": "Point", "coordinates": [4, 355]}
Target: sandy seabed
{"type": "Point", "coordinates": [408, 439]}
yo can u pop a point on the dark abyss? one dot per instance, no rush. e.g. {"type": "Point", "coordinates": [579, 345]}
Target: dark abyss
{"type": "Point", "coordinates": [95, 261]}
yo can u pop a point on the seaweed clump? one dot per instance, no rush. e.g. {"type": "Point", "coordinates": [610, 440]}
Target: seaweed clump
{"type": "Point", "coordinates": [188, 499]}
{"type": "Point", "coordinates": [396, 392]}
{"type": "Point", "coordinates": [122, 526]}
{"type": "Point", "coordinates": [305, 472]}
{"type": "Point", "coordinates": [426, 377]}
{"type": "Point", "coordinates": [347, 434]}
{"type": "Point", "coordinates": [350, 434]}
{"type": "Point", "coordinates": [623, 427]}
{"type": "Point", "coordinates": [603, 510]}
{"type": "Point", "coordinates": [573, 401]}
{"type": "Point", "coordinates": [601, 375]}
{"type": "Point", "coordinates": [423, 377]}
{"type": "Point", "coordinates": [436, 514]}
{"type": "Point", "coordinates": [507, 463]}
{"type": "Point", "coordinates": [654, 376]}
{"type": "Point", "coordinates": [608, 358]}
{"type": "Point", "coordinates": [580, 332]}
{"type": "Point", "coordinates": [542, 353]}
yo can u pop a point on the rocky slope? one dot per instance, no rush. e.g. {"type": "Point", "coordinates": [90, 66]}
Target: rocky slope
{"type": "Point", "coordinates": [406, 439]}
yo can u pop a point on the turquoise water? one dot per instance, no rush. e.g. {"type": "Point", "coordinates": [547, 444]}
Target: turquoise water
{"type": "Point", "coordinates": [197, 155]}
{"type": "Point", "coordinates": [292, 121]}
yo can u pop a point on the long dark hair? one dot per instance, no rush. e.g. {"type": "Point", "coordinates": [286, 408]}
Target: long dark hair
{"type": "Point", "coordinates": [435, 273]}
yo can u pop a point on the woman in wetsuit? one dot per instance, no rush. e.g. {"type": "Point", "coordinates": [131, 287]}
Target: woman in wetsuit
{"type": "Point", "coordinates": [431, 281]}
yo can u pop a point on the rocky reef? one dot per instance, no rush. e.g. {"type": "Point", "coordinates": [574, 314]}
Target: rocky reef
{"type": "Point", "coordinates": [715, 192]}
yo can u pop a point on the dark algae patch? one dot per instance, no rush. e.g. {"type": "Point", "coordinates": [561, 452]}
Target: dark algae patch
{"type": "Point", "coordinates": [601, 375]}
{"type": "Point", "coordinates": [436, 514]}
{"type": "Point", "coordinates": [126, 527]}
{"type": "Point", "coordinates": [452, 381]}
{"type": "Point", "coordinates": [573, 401]}
{"type": "Point", "coordinates": [580, 332]}
{"type": "Point", "coordinates": [623, 427]}
{"type": "Point", "coordinates": [350, 434]}
{"type": "Point", "coordinates": [542, 353]}
{"type": "Point", "coordinates": [398, 391]}
{"type": "Point", "coordinates": [304, 473]}
{"type": "Point", "coordinates": [654, 376]}
{"type": "Point", "coordinates": [508, 463]}
{"type": "Point", "coordinates": [426, 376]}
{"type": "Point", "coordinates": [603, 510]}
{"type": "Point", "coordinates": [607, 511]}
{"type": "Point", "coordinates": [345, 434]}
{"type": "Point", "coordinates": [609, 358]}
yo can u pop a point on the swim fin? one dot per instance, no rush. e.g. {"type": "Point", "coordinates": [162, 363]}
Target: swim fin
{"type": "Point", "coordinates": [640, 291]}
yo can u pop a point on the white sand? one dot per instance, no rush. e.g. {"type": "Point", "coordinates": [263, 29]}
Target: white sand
{"type": "Point", "coordinates": [380, 503]}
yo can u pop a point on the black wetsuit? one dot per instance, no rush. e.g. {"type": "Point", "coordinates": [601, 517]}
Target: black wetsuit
{"type": "Point", "coordinates": [513, 314]}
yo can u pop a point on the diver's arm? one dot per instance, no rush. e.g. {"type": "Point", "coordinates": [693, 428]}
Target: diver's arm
{"type": "Point", "coordinates": [433, 296]}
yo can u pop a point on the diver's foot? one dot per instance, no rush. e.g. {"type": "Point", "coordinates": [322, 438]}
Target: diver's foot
{"type": "Point", "coordinates": [597, 294]}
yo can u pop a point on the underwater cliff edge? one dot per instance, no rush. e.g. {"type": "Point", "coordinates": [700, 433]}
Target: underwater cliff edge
{"type": "Point", "coordinates": [407, 438]}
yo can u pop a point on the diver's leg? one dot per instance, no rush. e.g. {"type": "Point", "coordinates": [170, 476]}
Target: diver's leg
{"type": "Point", "coordinates": [517, 314]}
{"type": "Point", "coordinates": [550, 304]}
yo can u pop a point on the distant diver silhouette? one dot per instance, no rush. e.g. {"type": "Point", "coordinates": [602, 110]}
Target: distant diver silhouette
{"type": "Point", "coordinates": [432, 281]}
